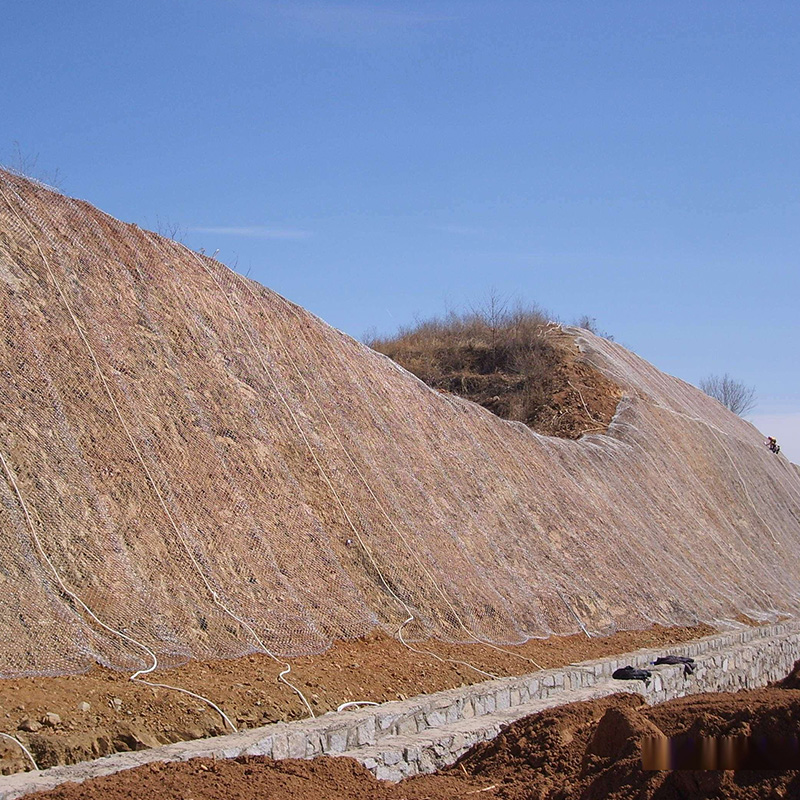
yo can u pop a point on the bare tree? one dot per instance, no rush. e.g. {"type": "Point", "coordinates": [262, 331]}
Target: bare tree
{"type": "Point", "coordinates": [493, 313]}
{"type": "Point", "coordinates": [27, 165]}
{"type": "Point", "coordinates": [370, 336]}
{"type": "Point", "coordinates": [590, 324]}
{"type": "Point", "coordinates": [733, 394]}
{"type": "Point", "coordinates": [170, 229]}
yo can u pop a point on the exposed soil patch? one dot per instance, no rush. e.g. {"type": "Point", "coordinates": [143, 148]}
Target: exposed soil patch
{"type": "Point", "coordinates": [582, 400]}
{"type": "Point", "coordinates": [593, 750]}
{"type": "Point", "coordinates": [514, 363]}
{"type": "Point", "coordinates": [102, 712]}
{"type": "Point", "coordinates": [581, 751]}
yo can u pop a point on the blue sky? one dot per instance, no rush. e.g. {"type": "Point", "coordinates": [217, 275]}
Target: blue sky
{"type": "Point", "coordinates": [375, 162]}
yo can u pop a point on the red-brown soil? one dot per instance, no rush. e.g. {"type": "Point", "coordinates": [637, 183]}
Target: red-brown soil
{"type": "Point", "coordinates": [583, 401]}
{"type": "Point", "coordinates": [125, 715]}
{"type": "Point", "coordinates": [582, 751]}
{"type": "Point", "coordinates": [539, 377]}
{"type": "Point", "coordinates": [580, 399]}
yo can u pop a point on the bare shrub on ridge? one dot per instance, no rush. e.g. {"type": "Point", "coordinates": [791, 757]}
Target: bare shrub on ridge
{"type": "Point", "coordinates": [735, 395]}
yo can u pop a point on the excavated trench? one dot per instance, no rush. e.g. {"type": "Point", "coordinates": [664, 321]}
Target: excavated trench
{"type": "Point", "coordinates": [122, 715]}
{"type": "Point", "coordinates": [563, 733]}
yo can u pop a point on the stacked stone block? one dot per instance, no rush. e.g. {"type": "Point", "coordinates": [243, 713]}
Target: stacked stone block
{"type": "Point", "coordinates": [423, 734]}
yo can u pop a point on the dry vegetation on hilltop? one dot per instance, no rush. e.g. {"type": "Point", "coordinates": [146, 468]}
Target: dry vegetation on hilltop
{"type": "Point", "coordinates": [513, 361]}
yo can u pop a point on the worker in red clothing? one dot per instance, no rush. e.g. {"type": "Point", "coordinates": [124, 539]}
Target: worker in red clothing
{"type": "Point", "coordinates": [773, 445]}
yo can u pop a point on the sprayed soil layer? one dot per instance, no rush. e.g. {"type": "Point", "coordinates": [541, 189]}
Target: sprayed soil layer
{"type": "Point", "coordinates": [101, 712]}
{"type": "Point", "coordinates": [194, 468]}
{"type": "Point", "coordinates": [581, 751]}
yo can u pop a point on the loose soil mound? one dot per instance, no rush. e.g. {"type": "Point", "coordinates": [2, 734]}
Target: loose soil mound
{"type": "Point", "coordinates": [792, 680]}
{"type": "Point", "coordinates": [123, 715]}
{"type": "Point", "coordinates": [581, 751]}
{"type": "Point", "coordinates": [519, 366]}
{"type": "Point", "coordinates": [592, 751]}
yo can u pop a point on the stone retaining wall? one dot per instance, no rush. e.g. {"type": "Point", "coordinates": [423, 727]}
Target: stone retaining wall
{"type": "Point", "coordinates": [424, 733]}
{"type": "Point", "coordinates": [723, 663]}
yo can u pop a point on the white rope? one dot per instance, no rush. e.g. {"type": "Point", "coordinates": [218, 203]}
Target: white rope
{"type": "Point", "coordinates": [367, 550]}
{"type": "Point", "coordinates": [723, 547]}
{"type": "Point", "coordinates": [586, 408]}
{"type": "Point", "coordinates": [136, 676]}
{"type": "Point", "coordinates": [713, 428]}
{"type": "Point", "coordinates": [322, 470]}
{"type": "Point", "coordinates": [191, 694]}
{"type": "Point", "coordinates": [572, 611]}
{"type": "Point", "coordinates": [724, 551]}
{"type": "Point", "coordinates": [570, 477]}
{"type": "Point", "coordinates": [22, 747]}
{"type": "Point", "coordinates": [154, 665]}
{"type": "Point", "coordinates": [386, 515]}
{"type": "Point", "coordinates": [714, 431]}
{"type": "Point", "coordinates": [218, 602]}
{"type": "Point", "coordinates": [215, 597]}
{"type": "Point", "coordinates": [453, 401]}
{"type": "Point", "coordinates": [355, 704]}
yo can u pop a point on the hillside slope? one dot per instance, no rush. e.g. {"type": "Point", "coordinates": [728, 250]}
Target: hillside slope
{"type": "Point", "coordinates": [212, 470]}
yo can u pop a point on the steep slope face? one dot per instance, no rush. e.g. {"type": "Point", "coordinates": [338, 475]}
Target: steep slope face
{"type": "Point", "coordinates": [194, 465]}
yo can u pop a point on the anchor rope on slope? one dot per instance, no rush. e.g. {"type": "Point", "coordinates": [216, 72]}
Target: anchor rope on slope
{"type": "Point", "coordinates": [411, 617]}
{"type": "Point", "coordinates": [69, 593]}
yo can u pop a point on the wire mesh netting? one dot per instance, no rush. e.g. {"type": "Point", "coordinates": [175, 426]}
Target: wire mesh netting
{"type": "Point", "coordinates": [211, 470]}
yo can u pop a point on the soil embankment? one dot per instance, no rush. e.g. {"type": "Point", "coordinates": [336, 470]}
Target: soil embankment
{"type": "Point", "coordinates": [581, 751]}
{"type": "Point", "coordinates": [194, 468]}
{"type": "Point", "coordinates": [102, 712]}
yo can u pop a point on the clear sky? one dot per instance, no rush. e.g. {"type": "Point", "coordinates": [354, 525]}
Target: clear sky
{"type": "Point", "coordinates": [377, 161]}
